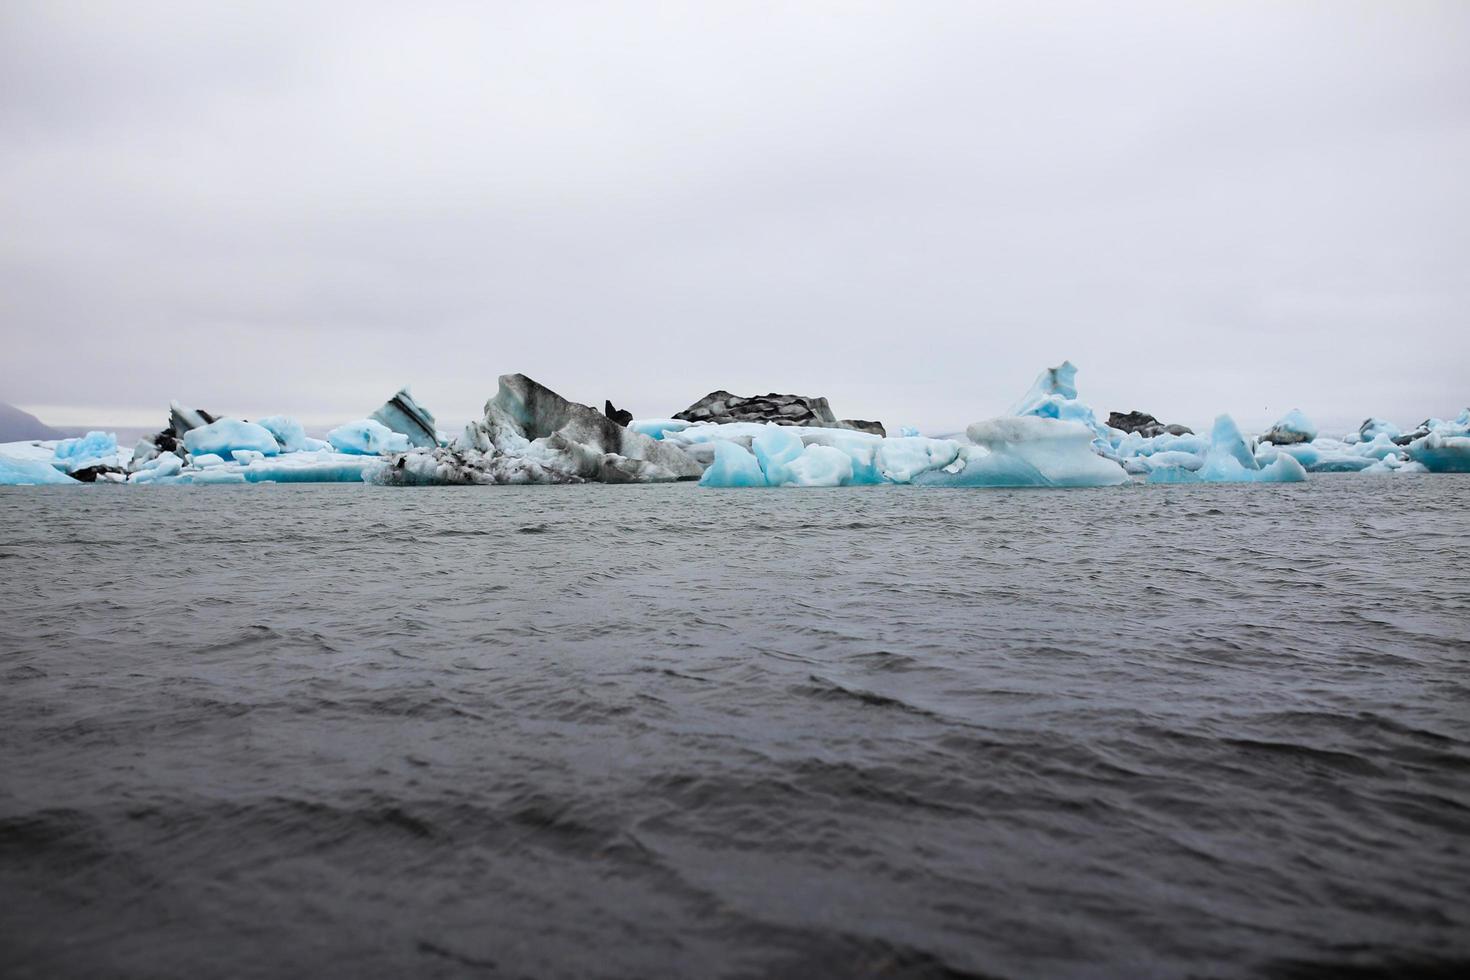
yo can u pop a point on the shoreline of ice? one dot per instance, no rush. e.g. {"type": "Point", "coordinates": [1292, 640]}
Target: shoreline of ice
{"type": "Point", "coordinates": [531, 435]}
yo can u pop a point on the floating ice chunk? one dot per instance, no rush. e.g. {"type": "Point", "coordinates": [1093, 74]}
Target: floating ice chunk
{"type": "Point", "coordinates": [819, 466]}
{"type": "Point", "coordinates": [224, 436]}
{"type": "Point", "coordinates": [1442, 452]}
{"type": "Point", "coordinates": [290, 436]}
{"type": "Point", "coordinates": [658, 428]}
{"type": "Point", "coordinates": [205, 460]}
{"type": "Point", "coordinates": [163, 468]}
{"type": "Point", "coordinates": [89, 450]}
{"type": "Point", "coordinates": [1381, 446]}
{"type": "Point", "coordinates": [590, 445]}
{"type": "Point", "coordinates": [1293, 427]}
{"type": "Point", "coordinates": [1322, 456]}
{"type": "Point", "coordinates": [1226, 469]}
{"type": "Point", "coordinates": [367, 437]}
{"type": "Point", "coordinates": [907, 431]}
{"type": "Point", "coordinates": [246, 456]}
{"type": "Point", "coordinates": [1221, 468]}
{"type": "Point", "coordinates": [1028, 451]}
{"type": "Point", "coordinates": [1372, 428]}
{"type": "Point", "coordinates": [734, 466]}
{"type": "Point", "coordinates": [1226, 440]}
{"type": "Point", "coordinates": [1395, 464]}
{"type": "Point", "coordinates": [408, 418]}
{"type": "Point", "coordinates": [902, 459]}
{"type": "Point", "coordinates": [323, 466]}
{"type": "Point", "coordinates": [1229, 460]}
{"type": "Point", "coordinates": [27, 471]}
{"type": "Point", "coordinates": [860, 447]}
{"type": "Point", "coordinates": [776, 447]}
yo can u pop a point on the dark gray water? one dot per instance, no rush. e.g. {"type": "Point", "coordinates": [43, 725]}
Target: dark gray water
{"type": "Point", "coordinates": [658, 731]}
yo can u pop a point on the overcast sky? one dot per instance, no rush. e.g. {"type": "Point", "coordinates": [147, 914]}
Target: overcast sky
{"type": "Point", "coordinates": [909, 207]}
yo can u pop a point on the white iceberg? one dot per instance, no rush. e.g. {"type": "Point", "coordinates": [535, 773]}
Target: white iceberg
{"type": "Point", "coordinates": [1028, 451]}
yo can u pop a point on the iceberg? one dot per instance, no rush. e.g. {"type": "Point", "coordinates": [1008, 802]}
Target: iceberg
{"type": "Point", "coordinates": [530, 434]}
{"type": "Point", "coordinates": [89, 450]}
{"type": "Point", "coordinates": [163, 468]}
{"type": "Point", "coordinates": [367, 437]}
{"type": "Point", "coordinates": [1227, 440]}
{"type": "Point", "coordinates": [1058, 382]}
{"type": "Point", "coordinates": [1320, 456]}
{"type": "Point", "coordinates": [901, 459]}
{"type": "Point", "coordinates": [23, 471]}
{"type": "Point", "coordinates": [409, 419]}
{"type": "Point", "coordinates": [819, 466]}
{"type": "Point", "coordinates": [1228, 460]}
{"type": "Point", "coordinates": [323, 466]}
{"type": "Point", "coordinates": [290, 435]}
{"type": "Point", "coordinates": [1027, 451]}
{"type": "Point", "coordinates": [733, 466]}
{"type": "Point", "coordinates": [1053, 395]}
{"type": "Point", "coordinates": [775, 448]}
{"type": "Point", "coordinates": [1372, 428]}
{"type": "Point", "coordinates": [224, 436]}
{"type": "Point", "coordinates": [1227, 469]}
{"type": "Point", "coordinates": [601, 449]}
{"type": "Point", "coordinates": [1291, 428]}
{"type": "Point", "coordinates": [1442, 451]}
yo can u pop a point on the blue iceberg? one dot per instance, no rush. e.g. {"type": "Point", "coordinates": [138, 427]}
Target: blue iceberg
{"type": "Point", "coordinates": [367, 437]}
{"type": "Point", "coordinates": [92, 449]}
{"type": "Point", "coordinates": [223, 436]}
{"type": "Point", "coordinates": [1228, 460]}
{"type": "Point", "coordinates": [19, 471]}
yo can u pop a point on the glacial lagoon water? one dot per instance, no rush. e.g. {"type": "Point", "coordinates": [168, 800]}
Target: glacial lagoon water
{"type": "Point", "coordinates": [665, 731]}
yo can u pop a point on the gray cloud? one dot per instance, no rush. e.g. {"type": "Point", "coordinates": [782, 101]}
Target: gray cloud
{"type": "Point", "coordinates": [910, 208]}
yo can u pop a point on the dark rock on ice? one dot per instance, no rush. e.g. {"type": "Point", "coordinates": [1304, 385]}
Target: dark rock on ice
{"type": "Point", "coordinates": [91, 474]}
{"type": "Point", "coordinates": [804, 410]}
{"type": "Point", "coordinates": [1291, 429]}
{"type": "Point", "coordinates": [619, 415]}
{"type": "Point", "coordinates": [405, 416]}
{"type": "Point", "coordinates": [1422, 430]}
{"type": "Point", "coordinates": [1145, 425]}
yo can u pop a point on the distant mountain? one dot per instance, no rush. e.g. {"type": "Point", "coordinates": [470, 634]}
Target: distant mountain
{"type": "Point", "coordinates": [16, 426]}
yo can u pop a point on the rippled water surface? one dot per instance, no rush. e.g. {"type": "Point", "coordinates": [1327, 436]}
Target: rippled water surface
{"type": "Point", "coordinates": [657, 731]}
